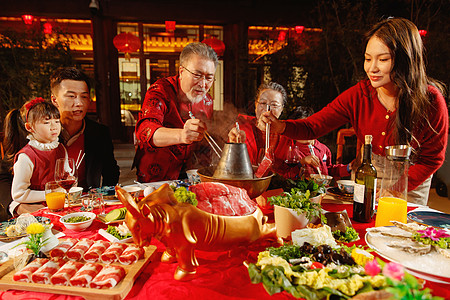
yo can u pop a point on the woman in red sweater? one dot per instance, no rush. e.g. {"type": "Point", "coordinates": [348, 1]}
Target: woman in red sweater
{"type": "Point", "coordinates": [396, 104]}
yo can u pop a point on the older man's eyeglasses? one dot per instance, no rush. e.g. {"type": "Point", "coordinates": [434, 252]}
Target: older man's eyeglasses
{"type": "Point", "coordinates": [197, 77]}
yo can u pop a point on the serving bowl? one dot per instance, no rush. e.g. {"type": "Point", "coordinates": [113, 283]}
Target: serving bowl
{"type": "Point", "coordinates": [253, 186]}
{"type": "Point", "coordinates": [324, 179]}
{"type": "Point", "coordinates": [346, 186]}
{"type": "Point", "coordinates": [78, 226]}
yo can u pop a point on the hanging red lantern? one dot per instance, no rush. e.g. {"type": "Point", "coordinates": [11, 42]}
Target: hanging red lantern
{"type": "Point", "coordinates": [27, 19]}
{"type": "Point", "coordinates": [127, 42]}
{"type": "Point", "coordinates": [299, 29]}
{"type": "Point", "coordinates": [216, 44]}
{"type": "Point", "coordinates": [170, 26]}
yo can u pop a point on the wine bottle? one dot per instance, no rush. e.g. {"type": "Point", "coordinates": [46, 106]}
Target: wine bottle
{"type": "Point", "coordinates": [365, 186]}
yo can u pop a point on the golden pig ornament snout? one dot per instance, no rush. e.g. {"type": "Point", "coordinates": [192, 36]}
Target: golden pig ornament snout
{"type": "Point", "coordinates": [183, 228]}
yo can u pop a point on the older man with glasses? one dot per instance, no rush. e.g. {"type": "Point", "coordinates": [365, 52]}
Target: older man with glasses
{"type": "Point", "coordinates": [167, 135]}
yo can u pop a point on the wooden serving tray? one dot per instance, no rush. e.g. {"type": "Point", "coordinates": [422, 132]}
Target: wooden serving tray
{"type": "Point", "coordinates": [115, 293]}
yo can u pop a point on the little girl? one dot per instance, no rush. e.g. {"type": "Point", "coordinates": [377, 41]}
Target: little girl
{"type": "Point", "coordinates": [34, 164]}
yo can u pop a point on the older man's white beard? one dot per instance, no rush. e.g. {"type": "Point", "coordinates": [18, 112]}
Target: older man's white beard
{"type": "Point", "coordinates": [195, 99]}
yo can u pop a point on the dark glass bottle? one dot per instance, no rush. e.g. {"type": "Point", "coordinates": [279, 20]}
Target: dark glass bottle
{"type": "Point", "coordinates": [365, 186]}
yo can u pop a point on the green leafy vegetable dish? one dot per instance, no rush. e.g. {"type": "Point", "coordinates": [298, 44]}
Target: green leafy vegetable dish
{"type": "Point", "coordinates": [350, 235]}
{"type": "Point", "coordinates": [299, 199]}
{"type": "Point", "coordinates": [113, 230]}
{"type": "Point", "coordinates": [185, 196]}
{"type": "Point", "coordinates": [77, 219]}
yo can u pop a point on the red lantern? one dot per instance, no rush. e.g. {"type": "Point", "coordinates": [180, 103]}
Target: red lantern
{"type": "Point", "coordinates": [216, 44]}
{"type": "Point", "coordinates": [48, 28]}
{"type": "Point", "coordinates": [127, 42]}
{"type": "Point", "coordinates": [170, 26]}
{"type": "Point", "coordinates": [299, 29]}
{"type": "Point", "coordinates": [27, 19]}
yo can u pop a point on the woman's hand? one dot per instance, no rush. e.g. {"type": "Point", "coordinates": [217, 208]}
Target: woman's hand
{"type": "Point", "coordinates": [276, 126]}
{"type": "Point", "coordinates": [236, 137]}
{"type": "Point", "coordinates": [310, 160]}
{"type": "Point", "coordinates": [192, 131]}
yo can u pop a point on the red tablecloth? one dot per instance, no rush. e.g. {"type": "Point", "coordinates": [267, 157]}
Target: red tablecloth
{"type": "Point", "coordinates": [221, 275]}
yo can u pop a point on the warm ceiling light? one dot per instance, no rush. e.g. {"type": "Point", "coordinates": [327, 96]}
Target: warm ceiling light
{"type": "Point", "coordinates": [28, 19]}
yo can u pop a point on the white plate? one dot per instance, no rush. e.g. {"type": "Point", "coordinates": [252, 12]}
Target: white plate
{"type": "Point", "coordinates": [432, 266]}
{"type": "Point", "coordinates": [112, 238]}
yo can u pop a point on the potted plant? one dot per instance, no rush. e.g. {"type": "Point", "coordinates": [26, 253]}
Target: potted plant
{"type": "Point", "coordinates": [298, 207]}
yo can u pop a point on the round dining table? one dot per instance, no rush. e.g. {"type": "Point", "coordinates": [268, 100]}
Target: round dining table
{"type": "Point", "coordinates": [220, 275]}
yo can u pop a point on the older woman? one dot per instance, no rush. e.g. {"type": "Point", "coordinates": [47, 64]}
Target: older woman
{"type": "Point", "coordinates": [396, 104]}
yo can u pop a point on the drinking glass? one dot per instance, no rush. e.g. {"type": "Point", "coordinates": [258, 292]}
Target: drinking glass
{"type": "Point", "coordinates": [97, 204]}
{"type": "Point", "coordinates": [54, 196]}
{"type": "Point", "coordinates": [292, 156]}
{"type": "Point", "coordinates": [66, 174]}
{"type": "Point", "coordinates": [390, 208]}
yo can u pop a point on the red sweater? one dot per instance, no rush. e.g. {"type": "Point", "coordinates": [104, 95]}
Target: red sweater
{"type": "Point", "coordinates": [161, 108]}
{"type": "Point", "coordinates": [360, 106]}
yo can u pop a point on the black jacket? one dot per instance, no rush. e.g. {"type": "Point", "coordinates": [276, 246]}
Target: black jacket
{"type": "Point", "coordinates": [100, 161]}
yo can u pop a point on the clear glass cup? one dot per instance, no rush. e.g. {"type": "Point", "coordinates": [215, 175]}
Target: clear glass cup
{"type": "Point", "coordinates": [55, 196]}
{"type": "Point", "coordinates": [96, 202]}
{"type": "Point", "coordinates": [66, 174]}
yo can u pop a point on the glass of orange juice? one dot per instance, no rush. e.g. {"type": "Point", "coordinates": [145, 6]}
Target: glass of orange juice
{"type": "Point", "coordinates": [390, 208]}
{"type": "Point", "coordinates": [55, 196]}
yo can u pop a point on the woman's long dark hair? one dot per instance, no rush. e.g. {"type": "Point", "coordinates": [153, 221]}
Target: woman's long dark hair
{"type": "Point", "coordinates": [402, 38]}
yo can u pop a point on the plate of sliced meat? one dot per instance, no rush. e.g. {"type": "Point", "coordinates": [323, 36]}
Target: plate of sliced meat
{"type": "Point", "coordinates": [106, 270]}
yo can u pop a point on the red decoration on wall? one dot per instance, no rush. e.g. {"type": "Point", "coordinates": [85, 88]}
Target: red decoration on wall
{"type": "Point", "coordinates": [216, 44]}
{"type": "Point", "coordinates": [170, 26]}
{"type": "Point", "coordinates": [126, 42]}
{"type": "Point", "coordinates": [282, 36]}
{"type": "Point", "coordinates": [299, 29]}
{"type": "Point", "coordinates": [423, 32]}
{"type": "Point", "coordinates": [48, 28]}
{"type": "Point", "coordinates": [27, 19]}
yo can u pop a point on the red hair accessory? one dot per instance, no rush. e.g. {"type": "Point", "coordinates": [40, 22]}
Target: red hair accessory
{"type": "Point", "coordinates": [32, 103]}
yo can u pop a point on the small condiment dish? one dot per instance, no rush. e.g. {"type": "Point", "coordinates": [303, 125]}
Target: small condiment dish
{"type": "Point", "coordinates": [346, 186]}
{"type": "Point", "coordinates": [321, 179]}
{"type": "Point", "coordinates": [78, 226]}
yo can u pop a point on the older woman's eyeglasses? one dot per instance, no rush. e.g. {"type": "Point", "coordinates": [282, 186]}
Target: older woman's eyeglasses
{"type": "Point", "coordinates": [272, 105]}
{"type": "Point", "coordinates": [198, 77]}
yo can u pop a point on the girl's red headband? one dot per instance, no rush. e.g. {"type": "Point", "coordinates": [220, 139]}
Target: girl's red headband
{"type": "Point", "coordinates": [32, 103]}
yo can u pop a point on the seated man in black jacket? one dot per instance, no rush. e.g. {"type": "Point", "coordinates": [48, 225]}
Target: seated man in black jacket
{"type": "Point", "coordinates": [71, 95]}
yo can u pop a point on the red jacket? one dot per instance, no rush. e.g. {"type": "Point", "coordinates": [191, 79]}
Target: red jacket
{"type": "Point", "coordinates": [360, 107]}
{"type": "Point", "coordinates": [161, 108]}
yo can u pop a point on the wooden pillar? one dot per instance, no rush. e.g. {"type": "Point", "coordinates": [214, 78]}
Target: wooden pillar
{"type": "Point", "coordinates": [236, 65]}
{"type": "Point", "coordinates": [142, 66]}
{"type": "Point", "coordinates": [106, 70]}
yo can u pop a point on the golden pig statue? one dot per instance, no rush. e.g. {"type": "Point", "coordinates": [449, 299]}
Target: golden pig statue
{"type": "Point", "coordinates": [183, 228]}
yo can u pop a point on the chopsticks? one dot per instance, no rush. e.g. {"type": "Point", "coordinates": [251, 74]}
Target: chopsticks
{"type": "Point", "coordinates": [209, 139]}
{"type": "Point", "coordinates": [267, 132]}
{"type": "Point", "coordinates": [238, 139]}
{"type": "Point", "coordinates": [79, 160]}
{"type": "Point", "coordinates": [312, 153]}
